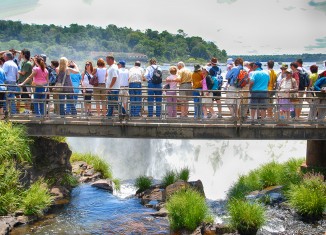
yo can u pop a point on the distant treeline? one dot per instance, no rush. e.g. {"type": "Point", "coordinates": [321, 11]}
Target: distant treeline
{"type": "Point", "coordinates": [84, 42]}
{"type": "Point", "coordinates": [283, 58]}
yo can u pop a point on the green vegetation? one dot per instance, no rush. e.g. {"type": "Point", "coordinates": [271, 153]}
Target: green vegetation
{"type": "Point", "coordinates": [68, 180]}
{"type": "Point", "coordinates": [36, 199]}
{"type": "Point", "coordinates": [117, 184]}
{"type": "Point", "coordinates": [143, 182]}
{"type": "Point", "coordinates": [14, 143]}
{"type": "Point", "coordinates": [61, 139]}
{"type": "Point", "coordinates": [309, 197]}
{"type": "Point", "coordinates": [170, 177]}
{"type": "Point", "coordinates": [82, 42]}
{"type": "Point", "coordinates": [187, 209]}
{"type": "Point", "coordinates": [184, 174]}
{"type": "Point", "coordinates": [98, 163]}
{"type": "Point", "coordinates": [285, 57]}
{"type": "Point", "coordinates": [269, 174]}
{"type": "Point", "coordinates": [246, 217]}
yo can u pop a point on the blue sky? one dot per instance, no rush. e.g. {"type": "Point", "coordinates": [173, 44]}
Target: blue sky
{"type": "Point", "coordinates": [238, 26]}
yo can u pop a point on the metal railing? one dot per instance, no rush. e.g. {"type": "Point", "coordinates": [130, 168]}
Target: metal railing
{"type": "Point", "coordinates": [70, 106]}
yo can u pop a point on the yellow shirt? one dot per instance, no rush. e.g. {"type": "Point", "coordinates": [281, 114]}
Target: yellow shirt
{"type": "Point", "coordinates": [196, 80]}
{"type": "Point", "coordinates": [272, 80]}
{"type": "Point", "coordinates": [184, 75]}
{"type": "Point", "coordinates": [313, 78]}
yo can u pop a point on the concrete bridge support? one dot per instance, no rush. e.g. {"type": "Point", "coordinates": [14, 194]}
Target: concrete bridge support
{"type": "Point", "coordinates": [316, 156]}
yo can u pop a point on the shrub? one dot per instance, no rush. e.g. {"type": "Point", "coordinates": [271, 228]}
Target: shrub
{"type": "Point", "coordinates": [61, 139]}
{"type": "Point", "coordinates": [187, 209]}
{"type": "Point", "coordinates": [170, 177]}
{"type": "Point", "coordinates": [291, 173]}
{"type": "Point", "coordinates": [246, 217]}
{"type": "Point", "coordinates": [14, 142]}
{"type": "Point", "coordinates": [143, 183]}
{"type": "Point", "coordinates": [69, 180]}
{"type": "Point", "coordinates": [36, 199]}
{"type": "Point", "coordinates": [117, 184]}
{"type": "Point", "coordinates": [270, 174]}
{"type": "Point", "coordinates": [98, 163]}
{"type": "Point", "coordinates": [183, 174]}
{"type": "Point", "coordinates": [309, 198]}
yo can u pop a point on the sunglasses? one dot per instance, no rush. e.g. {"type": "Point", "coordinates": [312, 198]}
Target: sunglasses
{"type": "Point", "coordinates": [87, 64]}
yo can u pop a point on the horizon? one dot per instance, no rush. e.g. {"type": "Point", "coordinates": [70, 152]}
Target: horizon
{"type": "Point", "coordinates": [224, 22]}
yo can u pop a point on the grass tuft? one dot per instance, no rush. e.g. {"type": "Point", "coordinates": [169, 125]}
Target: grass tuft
{"type": "Point", "coordinates": [246, 217]}
{"type": "Point", "coordinates": [187, 209]}
{"type": "Point", "coordinates": [170, 177]}
{"type": "Point", "coordinates": [309, 198]}
{"type": "Point", "coordinates": [184, 174]}
{"type": "Point", "coordinates": [143, 182]}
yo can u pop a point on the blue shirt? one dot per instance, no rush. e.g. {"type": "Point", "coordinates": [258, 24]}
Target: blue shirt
{"type": "Point", "coordinates": [150, 70]}
{"type": "Point", "coordinates": [11, 70]}
{"type": "Point", "coordinates": [319, 83]}
{"type": "Point", "coordinates": [232, 75]}
{"type": "Point", "coordinates": [75, 79]}
{"type": "Point", "coordinates": [2, 79]}
{"type": "Point", "coordinates": [260, 78]}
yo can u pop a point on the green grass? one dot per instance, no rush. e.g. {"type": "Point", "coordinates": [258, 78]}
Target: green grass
{"type": "Point", "coordinates": [309, 197]}
{"type": "Point", "coordinates": [68, 180]}
{"type": "Point", "coordinates": [61, 139]}
{"type": "Point", "coordinates": [187, 210]}
{"type": "Point", "coordinates": [170, 177]}
{"type": "Point", "coordinates": [143, 182]}
{"type": "Point", "coordinates": [117, 184]}
{"type": "Point", "coordinates": [269, 174]}
{"type": "Point", "coordinates": [246, 216]}
{"type": "Point", "coordinates": [14, 142]}
{"type": "Point", "coordinates": [184, 174]}
{"type": "Point", "coordinates": [97, 162]}
{"type": "Point", "coordinates": [36, 199]}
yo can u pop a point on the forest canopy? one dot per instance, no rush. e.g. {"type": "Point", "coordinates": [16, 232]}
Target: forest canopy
{"type": "Point", "coordinates": [90, 42]}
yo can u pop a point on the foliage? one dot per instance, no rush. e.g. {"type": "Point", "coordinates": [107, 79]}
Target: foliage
{"type": "Point", "coordinates": [98, 163]}
{"type": "Point", "coordinates": [14, 142]}
{"type": "Point", "coordinates": [309, 197]}
{"type": "Point", "coordinates": [61, 139]}
{"type": "Point", "coordinates": [143, 182]}
{"type": "Point", "coordinates": [246, 216]}
{"type": "Point", "coordinates": [187, 209]}
{"type": "Point", "coordinates": [69, 180]}
{"type": "Point", "coordinates": [117, 184]}
{"type": "Point", "coordinates": [183, 174]}
{"type": "Point", "coordinates": [9, 187]}
{"type": "Point", "coordinates": [169, 177]}
{"type": "Point", "coordinates": [79, 41]}
{"type": "Point", "coordinates": [285, 57]}
{"type": "Point", "coordinates": [269, 174]}
{"type": "Point", "coordinates": [36, 199]}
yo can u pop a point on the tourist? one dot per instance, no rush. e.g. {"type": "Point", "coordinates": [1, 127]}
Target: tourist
{"type": "Point", "coordinates": [40, 77]}
{"type": "Point", "coordinates": [215, 71]}
{"type": "Point", "coordinates": [323, 74]}
{"type": "Point", "coordinates": [25, 72]}
{"type": "Point", "coordinates": [295, 74]}
{"type": "Point", "coordinates": [229, 64]}
{"type": "Point", "coordinates": [258, 92]}
{"type": "Point", "coordinates": [87, 88]}
{"type": "Point", "coordinates": [185, 87]}
{"type": "Point", "coordinates": [232, 95]}
{"type": "Point", "coordinates": [63, 79]}
{"type": "Point", "coordinates": [2, 90]}
{"type": "Point", "coordinates": [197, 78]}
{"type": "Point", "coordinates": [207, 101]}
{"type": "Point", "coordinates": [312, 102]}
{"type": "Point", "coordinates": [271, 87]}
{"type": "Point", "coordinates": [245, 94]}
{"type": "Point", "coordinates": [154, 89]}
{"type": "Point", "coordinates": [123, 78]}
{"type": "Point", "coordinates": [52, 69]}
{"type": "Point", "coordinates": [281, 75]}
{"type": "Point", "coordinates": [100, 93]}
{"type": "Point", "coordinates": [11, 71]}
{"type": "Point", "coordinates": [171, 83]}
{"type": "Point", "coordinates": [320, 85]}
{"type": "Point", "coordinates": [136, 76]}
{"type": "Point", "coordinates": [288, 84]}
{"type": "Point", "coordinates": [113, 86]}
{"type": "Point", "coordinates": [75, 79]}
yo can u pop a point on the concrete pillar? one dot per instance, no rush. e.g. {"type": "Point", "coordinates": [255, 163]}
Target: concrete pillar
{"type": "Point", "coordinates": [315, 157]}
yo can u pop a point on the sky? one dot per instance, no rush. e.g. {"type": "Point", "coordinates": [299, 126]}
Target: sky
{"type": "Point", "coordinates": [241, 27]}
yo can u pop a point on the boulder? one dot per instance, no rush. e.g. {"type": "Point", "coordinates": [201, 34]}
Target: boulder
{"type": "Point", "coordinates": [161, 213]}
{"type": "Point", "coordinates": [172, 188]}
{"type": "Point", "coordinates": [198, 186]}
{"type": "Point", "coordinates": [149, 195]}
{"type": "Point", "coordinates": [105, 184]}
{"type": "Point", "coordinates": [6, 224]}
{"type": "Point", "coordinates": [60, 194]}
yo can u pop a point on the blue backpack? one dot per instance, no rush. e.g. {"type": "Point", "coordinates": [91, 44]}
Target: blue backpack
{"type": "Point", "coordinates": [215, 72]}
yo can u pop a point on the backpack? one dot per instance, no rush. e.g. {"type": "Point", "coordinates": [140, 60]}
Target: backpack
{"type": "Point", "coordinates": [242, 79]}
{"type": "Point", "coordinates": [218, 82]}
{"type": "Point", "coordinates": [304, 80]}
{"type": "Point", "coordinates": [52, 75]}
{"type": "Point", "coordinates": [209, 82]}
{"type": "Point", "coordinates": [157, 76]}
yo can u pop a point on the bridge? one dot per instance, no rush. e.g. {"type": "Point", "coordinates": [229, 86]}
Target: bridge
{"type": "Point", "coordinates": [165, 127]}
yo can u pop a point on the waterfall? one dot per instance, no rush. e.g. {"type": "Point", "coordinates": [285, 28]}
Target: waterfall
{"type": "Point", "coordinates": [218, 163]}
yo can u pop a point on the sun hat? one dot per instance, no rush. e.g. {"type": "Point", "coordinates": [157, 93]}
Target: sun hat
{"type": "Point", "coordinates": [214, 61]}
{"type": "Point", "coordinates": [197, 67]}
{"type": "Point", "coordinates": [229, 61]}
{"type": "Point", "coordinates": [288, 71]}
{"type": "Point", "coordinates": [206, 68]}
{"type": "Point", "coordinates": [284, 66]}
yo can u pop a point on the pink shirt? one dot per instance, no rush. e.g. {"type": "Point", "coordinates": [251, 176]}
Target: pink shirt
{"type": "Point", "coordinates": [40, 77]}
{"type": "Point", "coordinates": [172, 81]}
{"type": "Point", "coordinates": [204, 84]}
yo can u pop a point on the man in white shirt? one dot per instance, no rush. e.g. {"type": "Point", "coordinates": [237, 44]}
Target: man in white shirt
{"type": "Point", "coordinates": [123, 78]}
{"type": "Point", "coordinates": [113, 84]}
{"type": "Point", "coordinates": [11, 71]}
{"type": "Point", "coordinates": [136, 76]}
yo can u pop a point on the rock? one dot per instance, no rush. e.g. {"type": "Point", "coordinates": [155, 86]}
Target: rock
{"type": "Point", "coordinates": [161, 213]}
{"type": "Point", "coordinates": [89, 172]}
{"type": "Point", "coordinates": [78, 167]}
{"type": "Point", "coordinates": [152, 195]}
{"type": "Point", "coordinates": [212, 229]}
{"type": "Point", "coordinates": [198, 186]}
{"type": "Point", "coordinates": [172, 188]}
{"type": "Point", "coordinates": [6, 224]}
{"type": "Point", "coordinates": [104, 184]}
{"type": "Point", "coordinates": [273, 194]}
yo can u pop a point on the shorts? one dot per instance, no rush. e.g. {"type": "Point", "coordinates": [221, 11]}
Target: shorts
{"type": "Point", "coordinates": [124, 94]}
{"type": "Point", "coordinates": [207, 100]}
{"type": "Point", "coordinates": [88, 96]}
{"type": "Point", "coordinates": [100, 92]}
{"type": "Point", "coordinates": [2, 99]}
{"type": "Point", "coordinates": [25, 89]}
{"type": "Point", "coordinates": [185, 93]}
{"type": "Point", "coordinates": [217, 95]}
{"type": "Point", "coordinates": [259, 99]}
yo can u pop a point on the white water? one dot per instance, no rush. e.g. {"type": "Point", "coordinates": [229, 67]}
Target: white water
{"type": "Point", "coordinates": [218, 163]}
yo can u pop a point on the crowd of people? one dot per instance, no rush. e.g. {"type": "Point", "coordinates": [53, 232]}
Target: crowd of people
{"type": "Point", "coordinates": [30, 81]}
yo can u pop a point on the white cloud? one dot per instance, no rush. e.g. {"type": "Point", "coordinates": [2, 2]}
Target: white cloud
{"type": "Point", "coordinates": [260, 25]}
